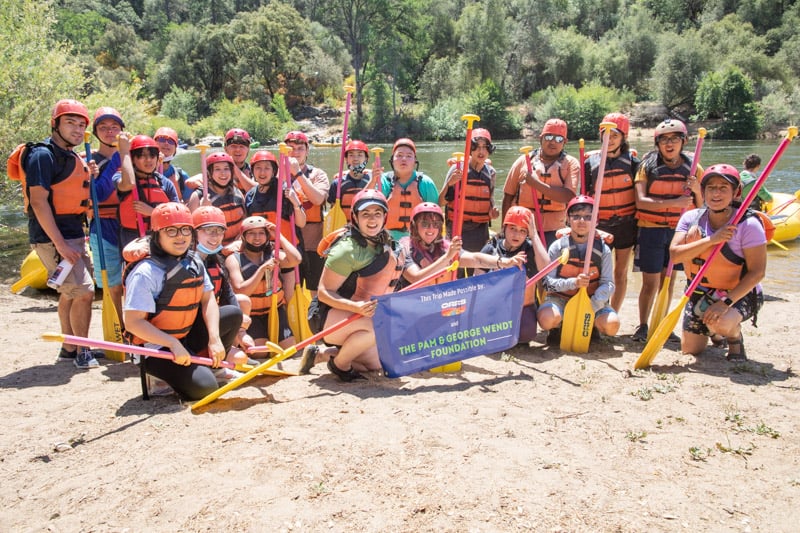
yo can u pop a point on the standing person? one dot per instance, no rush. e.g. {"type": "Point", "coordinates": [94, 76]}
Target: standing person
{"type": "Point", "coordinates": [479, 208]}
{"type": "Point", "coordinates": [749, 176]}
{"type": "Point", "coordinates": [164, 293]}
{"type": "Point", "coordinates": [519, 237]}
{"type": "Point", "coordinates": [405, 187]}
{"type": "Point", "coordinates": [563, 283]}
{"type": "Point", "coordinates": [262, 200]}
{"type": "Point", "coordinates": [139, 157]}
{"type": "Point", "coordinates": [251, 274]}
{"type": "Point", "coordinates": [311, 185]}
{"type": "Point", "coordinates": [554, 179]}
{"type": "Point", "coordinates": [362, 263]}
{"type": "Point", "coordinates": [664, 189]}
{"type": "Point", "coordinates": [357, 177]}
{"type": "Point", "coordinates": [222, 193]}
{"type": "Point", "coordinates": [730, 291]}
{"type": "Point", "coordinates": [167, 139]}
{"type": "Point", "coordinates": [237, 145]}
{"type": "Point", "coordinates": [617, 209]}
{"type": "Point", "coordinates": [56, 197]}
{"type": "Point", "coordinates": [107, 125]}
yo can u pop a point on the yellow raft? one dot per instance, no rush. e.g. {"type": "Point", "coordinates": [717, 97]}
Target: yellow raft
{"type": "Point", "coordinates": [784, 210]}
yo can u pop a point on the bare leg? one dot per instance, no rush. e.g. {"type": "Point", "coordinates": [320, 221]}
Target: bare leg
{"type": "Point", "coordinates": [622, 260]}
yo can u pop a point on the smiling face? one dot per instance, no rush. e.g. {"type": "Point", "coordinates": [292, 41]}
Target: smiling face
{"type": "Point", "coordinates": [615, 139]}
{"type": "Point", "coordinates": [145, 159]}
{"type": "Point", "coordinates": [718, 193]}
{"type": "Point", "coordinates": [210, 236]}
{"type": "Point", "coordinates": [175, 240]}
{"type": "Point", "coordinates": [355, 157]}
{"type": "Point", "coordinates": [220, 174]}
{"type": "Point", "coordinates": [238, 152]}
{"type": "Point", "coordinates": [263, 172]}
{"type": "Point", "coordinates": [71, 128]}
{"type": "Point", "coordinates": [428, 227]}
{"type": "Point", "coordinates": [371, 220]}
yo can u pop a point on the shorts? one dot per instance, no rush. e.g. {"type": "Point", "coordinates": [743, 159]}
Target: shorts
{"type": "Point", "coordinates": [259, 327]}
{"type": "Point", "coordinates": [311, 269]}
{"type": "Point", "coordinates": [474, 236]}
{"type": "Point", "coordinates": [112, 260]}
{"type": "Point", "coordinates": [79, 280]}
{"type": "Point", "coordinates": [747, 307]}
{"type": "Point", "coordinates": [560, 302]}
{"type": "Point", "coordinates": [652, 250]}
{"type": "Point", "coordinates": [623, 229]}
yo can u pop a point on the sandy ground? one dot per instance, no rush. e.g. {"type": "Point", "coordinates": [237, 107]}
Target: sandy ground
{"type": "Point", "coordinates": [531, 440]}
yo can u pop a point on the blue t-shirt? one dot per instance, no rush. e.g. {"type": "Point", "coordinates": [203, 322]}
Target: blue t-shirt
{"type": "Point", "coordinates": [104, 186]}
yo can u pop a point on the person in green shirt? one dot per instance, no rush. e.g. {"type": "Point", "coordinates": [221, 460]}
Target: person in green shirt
{"type": "Point", "coordinates": [751, 165]}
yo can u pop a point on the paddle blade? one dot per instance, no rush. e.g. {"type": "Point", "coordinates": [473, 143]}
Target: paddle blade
{"type": "Point", "coordinates": [335, 219]}
{"type": "Point", "coordinates": [272, 327]}
{"type": "Point", "coordinates": [661, 335]}
{"type": "Point", "coordinates": [576, 327]}
{"type": "Point", "coordinates": [26, 280]}
{"type": "Point", "coordinates": [660, 308]}
{"type": "Point", "coordinates": [112, 329]}
{"type": "Point", "coordinates": [297, 311]}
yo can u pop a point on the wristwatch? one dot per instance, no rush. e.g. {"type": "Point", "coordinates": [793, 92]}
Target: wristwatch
{"type": "Point", "coordinates": [727, 301]}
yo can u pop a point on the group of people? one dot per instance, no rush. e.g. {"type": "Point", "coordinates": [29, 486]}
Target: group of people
{"type": "Point", "coordinates": [197, 266]}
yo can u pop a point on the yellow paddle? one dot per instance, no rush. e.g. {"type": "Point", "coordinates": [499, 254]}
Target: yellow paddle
{"type": "Point", "coordinates": [283, 178]}
{"type": "Point", "coordinates": [666, 326]}
{"type": "Point", "coordinates": [112, 328]}
{"type": "Point", "coordinates": [297, 308]}
{"type": "Point", "coordinates": [663, 298]}
{"type": "Point", "coordinates": [576, 326]}
{"type": "Point", "coordinates": [335, 218]}
{"type": "Point", "coordinates": [376, 176]}
{"type": "Point", "coordinates": [27, 279]}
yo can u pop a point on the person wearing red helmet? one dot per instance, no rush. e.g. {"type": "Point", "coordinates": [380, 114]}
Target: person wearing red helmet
{"type": "Point", "coordinates": [554, 179]}
{"type": "Point", "coordinates": [139, 169]}
{"type": "Point", "coordinates": [222, 193]}
{"type": "Point", "coordinates": [405, 187]}
{"type": "Point", "coordinates": [664, 189]}
{"type": "Point", "coordinates": [479, 209]}
{"type": "Point", "coordinates": [167, 293]}
{"type": "Point", "coordinates": [617, 211]}
{"type": "Point", "coordinates": [730, 291]}
{"type": "Point", "coordinates": [57, 200]}
{"type": "Point", "coordinates": [312, 187]}
{"type": "Point", "coordinates": [237, 145]}
{"type": "Point", "coordinates": [262, 200]}
{"type": "Point", "coordinates": [563, 282]}
{"type": "Point", "coordinates": [519, 237]}
{"type": "Point", "coordinates": [167, 139]}
{"type": "Point", "coordinates": [357, 176]}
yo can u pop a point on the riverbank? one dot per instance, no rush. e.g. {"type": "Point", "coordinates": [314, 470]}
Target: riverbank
{"type": "Point", "coordinates": [530, 440]}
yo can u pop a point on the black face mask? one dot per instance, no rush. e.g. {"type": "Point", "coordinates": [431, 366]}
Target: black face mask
{"type": "Point", "coordinates": [253, 248]}
{"type": "Point", "coordinates": [358, 169]}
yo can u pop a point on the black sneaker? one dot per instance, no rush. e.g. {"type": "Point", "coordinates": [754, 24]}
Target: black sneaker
{"type": "Point", "coordinates": [309, 359]}
{"type": "Point", "coordinates": [554, 337]}
{"type": "Point", "coordinates": [64, 355]}
{"type": "Point", "coordinates": [640, 335]}
{"type": "Point", "coordinates": [673, 339]}
{"type": "Point", "coordinates": [343, 375]}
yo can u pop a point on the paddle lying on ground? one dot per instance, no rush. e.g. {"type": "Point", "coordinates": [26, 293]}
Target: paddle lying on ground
{"type": "Point", "coordinates": [281, 354]}
{"type": "Point", "coordinates": [578, 320]}
{"type": "Point", "coordinates": [581, 160]}
{"type": "Point", "coordinates": [662, 300]}
{"type": "Point", "coordinates": [335, 218]}
{"type": "Point", "coordinates": [112, 328]}
{"type": "Point", "coordinates": [666, 326]}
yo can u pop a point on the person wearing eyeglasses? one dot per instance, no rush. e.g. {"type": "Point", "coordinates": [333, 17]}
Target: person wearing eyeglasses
{"type": "Point", "coordinates": [563, 283]}
{"type": "Point", "coordinates": [167, 139]}
{"type": "Point", "coordinates": [165, 292]}
{"type": "Point", "coordinates": [554, 179]}
{"type": "Point", "coordinates": [664, 189]}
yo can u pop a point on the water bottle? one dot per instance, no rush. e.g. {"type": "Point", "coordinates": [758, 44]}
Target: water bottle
{"type": "Point", "coordinates": [59, 274]}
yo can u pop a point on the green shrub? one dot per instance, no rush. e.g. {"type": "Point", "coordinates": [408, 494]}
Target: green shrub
{"type": "Point", "coordinates": [246, 115]}
{"type": "Point", "coordinates": [583, 109]}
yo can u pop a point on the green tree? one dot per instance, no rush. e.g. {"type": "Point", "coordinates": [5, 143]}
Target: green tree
{"type": "Point", "coordinates": [82, 30]}
{"type": "Point", "coordinates": [680, 63]}
{"type": "Point", "coordinates": [729, 95]}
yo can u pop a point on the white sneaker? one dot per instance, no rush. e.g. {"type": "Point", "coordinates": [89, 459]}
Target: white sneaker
{"type": "Point", "coordinates": [224, 375]}
{"type": "Point", "coordinates": [85, 360]}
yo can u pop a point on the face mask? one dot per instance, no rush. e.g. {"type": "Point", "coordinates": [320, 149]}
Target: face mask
{"type": "Point", "coordinates": [167, 159]}
{"type": "Point", "coordinates": [202, 249]}
{"type": "Point", "coordinates": [253, 248]}
{"type": "Point", "coordinates": [359, 168]}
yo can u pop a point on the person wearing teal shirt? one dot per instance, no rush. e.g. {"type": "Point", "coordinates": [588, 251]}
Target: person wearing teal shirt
{"type": "Point", "coordinates": [749, 176]}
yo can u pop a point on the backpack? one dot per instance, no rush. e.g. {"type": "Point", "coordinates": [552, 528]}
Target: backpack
{"type": "Point", "coordinates": [16, 166]}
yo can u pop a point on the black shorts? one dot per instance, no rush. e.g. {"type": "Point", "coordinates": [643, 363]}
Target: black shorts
{"type": "Point", "coordinates": [624, 230]}
{"type": "Point", "coordinates": [747, 307]}
{"type": "Point", "coordinates": [311, 269]}
{"type": "Point", "coordinates": [259, 328]}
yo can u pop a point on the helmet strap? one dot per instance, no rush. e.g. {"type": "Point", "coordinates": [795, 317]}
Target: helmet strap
{"type": "Point", "coordinates": [65, 142]}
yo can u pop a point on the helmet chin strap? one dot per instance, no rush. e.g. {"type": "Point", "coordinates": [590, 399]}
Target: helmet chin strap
{"type": "Point", "coordinates": [63, 140]}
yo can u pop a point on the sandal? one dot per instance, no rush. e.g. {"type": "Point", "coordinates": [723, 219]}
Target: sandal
{"type": "Point", "coordinates": [344, 375]}
{"type": "Point", "coordinates": [741, 355]}
{"type": "Point", "coordinates": [719, 341]}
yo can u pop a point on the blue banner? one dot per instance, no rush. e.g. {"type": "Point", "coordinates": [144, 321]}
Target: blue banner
{"type": "Point", "coordinates": [424, 328]}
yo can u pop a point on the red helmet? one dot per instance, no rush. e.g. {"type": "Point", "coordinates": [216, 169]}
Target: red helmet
{"type": "Point", "coordinates": [170, 214]}
{"type": "Point", "coordinates": [237, 136]}
{"type": "Point", "coordinates": [580, 200]}
{"type": "Point", "coordinates": [208, 215]}
{"type": "Point", "coordinates": [143, 141]}
{"type": "Point", "coordinates": [169, 133]}
{"type": "Point", "coordinates": [405, 141]}
{"type": "Point", "coordinates": [253, 223]}
{"type": "Point", "coordinates": [264, 155]}
{"type": "Point", "coordinates": [670, 126]}
{"type": "Point", "coordinates": [296, 136]}
{"type": "Point", "coordinates": [103, 113]}
{"type": "Point", "coordinates": [368, 197]}
{"type": "Point", "coordinates": [622, 122]}
{"type": "Point", "coordinates": [727, 172]}
{"type": "Point", "coordinates": [519, 216]}
{"type": "Point", "coordinates": [68, 107]}
{"type": "Point", "coordinates": [555, 126]}
{"type": "Point", "coordinates": [426, 207]}
{"type": "Point", "coordinates": [357, 145]}
{"type": "Point", "coordinates": [219, 157]}
{"type": "Point", "coordinates": [481, 133]}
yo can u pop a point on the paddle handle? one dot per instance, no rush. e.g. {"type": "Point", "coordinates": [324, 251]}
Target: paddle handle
{"type": "Point", "coordinates": [349, 90]}
{"type": "Point", "coordinates": [537, 213]}
{"type": "Point", "coordinates": [562, 260]}
{"type": "Point", "coordinates": [581, 158]}
{"type": "Point", "coordinates": [598, 188]}
{"type": "Point", "coordinates": [462, 192]}
{"type": "Point", "coordinates": [203, 170]}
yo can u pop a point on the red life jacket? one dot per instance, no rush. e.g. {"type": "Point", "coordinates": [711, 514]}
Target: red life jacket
{"type": "Point", "coordinates": [150, 192]}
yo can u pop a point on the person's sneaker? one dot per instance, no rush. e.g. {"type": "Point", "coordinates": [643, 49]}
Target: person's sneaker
{"type": "Point", "coordinates": [554, 337]}
{"type": "Point", "coordinates": [64, 355]}
{"type": "Point", "coordinates": [640, 335]}
{"type": "Point", "coordinates": [85, 360]}
{"type": "Point", "coordinates": [224, 375]}
{"type": "Point", "coordinates": [309, 359]}
{"type": "Point", "coordinates": [343, 375]}
{"type": "Point", "coordinates": [595, 335]}
{"type": "Point", "coordinates": [157, 387]}
{"type": "Point", "coordinates": [674, 339]}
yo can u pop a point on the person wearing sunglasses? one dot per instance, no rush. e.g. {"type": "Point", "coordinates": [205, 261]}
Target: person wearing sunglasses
{"type": "Point", "coordinates": [166, 291]}
{"type": "Point", "coordinates": [563, 283]}
{"type": "Point", "coordinates": [664, 189]}
{"type": "Point", "coordinates": [553, 181]}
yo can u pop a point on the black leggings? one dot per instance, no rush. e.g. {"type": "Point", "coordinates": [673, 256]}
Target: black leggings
{"type": "Point", "coordinates": [195, 382]}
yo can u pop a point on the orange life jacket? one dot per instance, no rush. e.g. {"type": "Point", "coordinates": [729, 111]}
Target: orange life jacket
{"type": "Point", "coordinates": [574, 265]}
{"type": "Point", "coordinates": [108, 208]}
{"type": "Point", "coordinates": [552, 174]}
{"type": "Point", "coordinates": [478, 204]}
{"type": "Point", "coordinates": [179, 301]}
{"type": "Point", "coordinates": [618, 197]}
{"type": "Point", "coordinates": [261, 297]}
{"type": "Point", "coordinates": [401, 202]}
{"type": "Point", "coordinates": [150, 192]}
{"type": "Point", "coordinates": [664, 183]}
{"type": "Point", "coordinates": [313, 211]}
{"type": "Point", "coordinates": [350, 188]}
{"type": "Point", "coordinates": [258, 204]}
{"type": "Point", "coordinates": [232, 205]}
